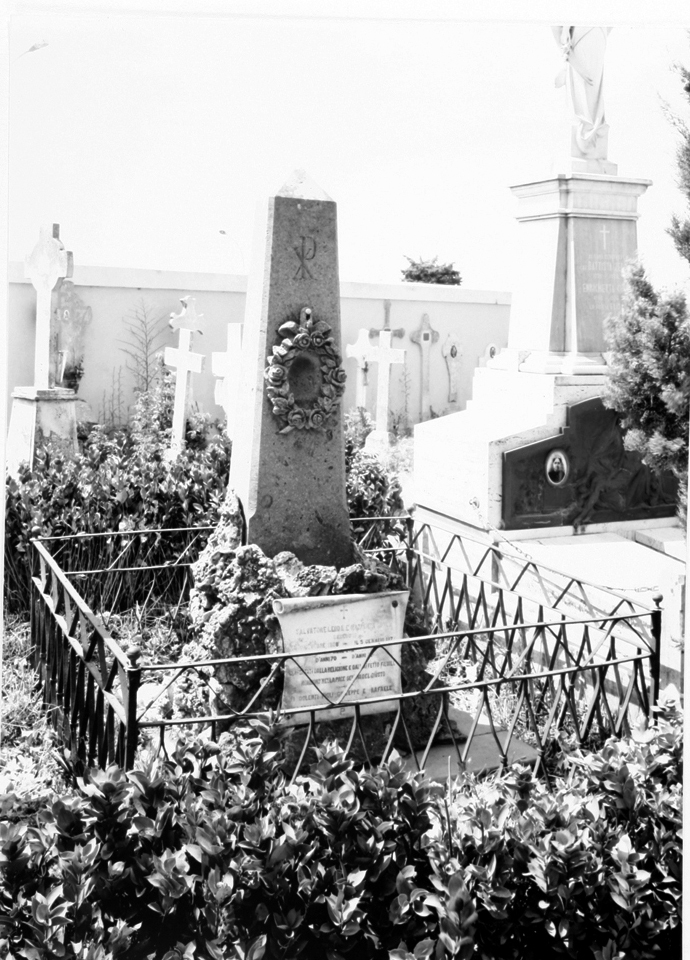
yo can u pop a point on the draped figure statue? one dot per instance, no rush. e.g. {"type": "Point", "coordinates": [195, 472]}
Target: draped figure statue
{"type": "Point", "coordinates": [583, 49]}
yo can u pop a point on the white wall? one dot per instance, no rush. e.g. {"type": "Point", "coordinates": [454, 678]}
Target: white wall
{"type": "Point", "coordinates": [477, 318]}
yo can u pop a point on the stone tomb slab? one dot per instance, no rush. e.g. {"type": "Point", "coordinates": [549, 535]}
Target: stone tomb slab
{"type": "Point", "coordinates": [484, 755]}
{"type": "Point", "coordinates": [331, 629]}
{"type": "Point", "coordinates": [600, 481]}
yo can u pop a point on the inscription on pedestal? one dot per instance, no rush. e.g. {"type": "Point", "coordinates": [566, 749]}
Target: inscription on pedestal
{"type": "Point", "coordinates": [602, 248]}
{"type": "Point", "coordinates": [331, 675]}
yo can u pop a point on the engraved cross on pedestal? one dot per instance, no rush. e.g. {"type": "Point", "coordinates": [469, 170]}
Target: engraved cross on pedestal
{"type": "Point", "coordinates": [184, 362]}
{"type": "Point", "coordinates": [424, 337]}
{"type": "Point", "coordinates": [227, 366]}
{"type": "Point", "coordinates": [47, 263]}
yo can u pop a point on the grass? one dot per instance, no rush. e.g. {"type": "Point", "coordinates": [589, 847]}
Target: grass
{"type": "Point", "coordinates": [29, 764]}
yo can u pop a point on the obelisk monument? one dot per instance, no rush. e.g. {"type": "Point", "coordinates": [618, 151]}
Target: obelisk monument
{"type": "Point", "coordinates": [288, 458]}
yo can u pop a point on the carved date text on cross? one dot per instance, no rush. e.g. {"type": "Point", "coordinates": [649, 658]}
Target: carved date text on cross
{"type": "Point", "coordinates": [305, 252]}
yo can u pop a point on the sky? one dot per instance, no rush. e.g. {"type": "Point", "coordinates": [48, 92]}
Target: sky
{"type": "Point", "coordinates": [150, 138]}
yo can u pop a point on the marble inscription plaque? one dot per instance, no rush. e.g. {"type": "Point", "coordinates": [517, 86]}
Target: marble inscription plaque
{"type": "Point", "coordinates": [329, 630]}
{"type": "Point", "coordinates": [602, 249]}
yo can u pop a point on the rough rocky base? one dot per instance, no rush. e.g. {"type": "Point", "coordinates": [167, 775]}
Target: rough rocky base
{"type": "Point", "coordinates": [231, 611]}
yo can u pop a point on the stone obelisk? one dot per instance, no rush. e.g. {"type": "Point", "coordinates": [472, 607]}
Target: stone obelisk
{"type": "Point", "coordinates": [288, 458]}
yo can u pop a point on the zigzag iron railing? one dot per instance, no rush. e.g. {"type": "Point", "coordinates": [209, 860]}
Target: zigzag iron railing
{"type": "Point", "coordinates": [514, 666]}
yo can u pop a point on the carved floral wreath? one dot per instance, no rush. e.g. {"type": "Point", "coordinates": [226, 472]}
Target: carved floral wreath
{"type": "Point", "coordinates": [311, 335]}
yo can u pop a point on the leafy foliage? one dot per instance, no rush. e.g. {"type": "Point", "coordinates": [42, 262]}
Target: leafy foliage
{"type": "Point", "coordinates": [650, 343]}
{"type": "Point", "coordinates": [214, 854]}
{"type": "Point", "coordinates": [431, 271]}
{"type": "Point", "coordinates": [122, 481]}
{"type": "Point", "coordinates": [373, 490]}
{"type": "Point", "coordinates": [680, 227]}
{"type": "Point", "coordinates": [649, 382]}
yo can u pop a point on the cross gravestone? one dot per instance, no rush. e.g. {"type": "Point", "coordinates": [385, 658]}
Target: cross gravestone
{"type": "Point", "coordinates": [43, 411]}
{"type": "Point", "coordinates": [184, 362]}
{"type": "Point", "coordinates": [47, 263]}
{"type": "Point", "coordinates": [425, 337]}
{"type": "Point", "coordinates": [398, 332]}
{"type": "Point", "coordinates": [360, 350]}
{"type": "Point", "coordinates": [288, 463]}
{"type": "Point", "coordinates": [227, 366]}
{"type": "Point", "coordinates": [452, 353]}
{"type": "Point", "coordinates": [383, 355]}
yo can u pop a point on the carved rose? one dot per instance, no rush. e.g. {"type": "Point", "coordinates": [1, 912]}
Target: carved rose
{"type": "Point", "coordinates": [317, 419]}
{"type": "Point", "coordinates": [276, 374]}
{"type": "Point", "coordinates": [338, 375]}
{"type": "Point", "coordinates": [297, 418]}
{"type": "Point", "coordinates": [302, 340]}
{"type": "Point", "coordinates": [317, 339]}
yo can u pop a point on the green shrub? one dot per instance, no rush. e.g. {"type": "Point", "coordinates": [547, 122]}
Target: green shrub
{"type": "Point", "coordinates": [214, 854]}
{"type": "Point", "coordinates": [373, 490]}
{"type": "Point", "coordinates": [120, 481]}
{"type": "Point", "coordinates": [123, 481]}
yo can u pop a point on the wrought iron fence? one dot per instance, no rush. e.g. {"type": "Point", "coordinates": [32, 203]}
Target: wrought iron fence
{"type": "Point", "coordinates": [501, 651]}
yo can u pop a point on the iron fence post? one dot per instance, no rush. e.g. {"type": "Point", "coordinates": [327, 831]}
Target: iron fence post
{"type": "Point", "coordinates": [409, 548]}
{"type": "Point", "coordinates": [33, 558]}
{"type": "Point", "coordinates": [496, 558]}
{"type": "Point", "coordinates": [655, 659]}
{"type": "Point", "coordinates": [132, 727]}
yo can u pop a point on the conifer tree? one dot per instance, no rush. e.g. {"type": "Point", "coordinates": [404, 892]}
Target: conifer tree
{"type": "Point", "coordinates": [649, 365]}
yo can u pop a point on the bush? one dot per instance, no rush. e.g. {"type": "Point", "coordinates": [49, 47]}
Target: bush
{"type": "Point", "coordinates": [372, 489]}
{"type": "Point", "coordinates": [649, 382]}
{"type": "Point", "coordinates": [120, 481]}
{"type": "Point", "coordinates": [213, 854]}
{"type": "Point", "coordinates": [431, 271]}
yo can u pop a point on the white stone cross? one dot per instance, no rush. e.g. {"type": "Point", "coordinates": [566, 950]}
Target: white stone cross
{"type": "Point", "coordinates": [452, 351]}
{"type": "Point", "coordinates": [384, 356]}
{"type": "Point", "coordinates": [47, 263]}
{"type": "Point", "coordinates": [604, 233]}
{"type": "Point", "coordinates": [425, 337]}
{"type": "Point", "coordinates": [361, 350]}
{"type": "Point", "coordinates": [227, 366]}
{"type": "Point", "coordinates": [184, 362]}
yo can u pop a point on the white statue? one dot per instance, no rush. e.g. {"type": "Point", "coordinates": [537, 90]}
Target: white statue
{"type": "Point", "coordinates": [583, 49]}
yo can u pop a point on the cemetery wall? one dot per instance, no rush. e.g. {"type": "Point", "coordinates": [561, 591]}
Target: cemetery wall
{"type": "Point", "coordinates": [476, 319]}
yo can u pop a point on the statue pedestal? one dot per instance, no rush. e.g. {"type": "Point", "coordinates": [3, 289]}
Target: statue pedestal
{"type": "Point", "coordinates": [39, 415]}
{"type": "Point", "coordinates": [578, 231]}
{"type": "Point", "coordinates": [537, 403]}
